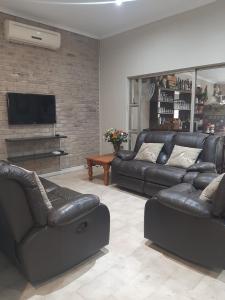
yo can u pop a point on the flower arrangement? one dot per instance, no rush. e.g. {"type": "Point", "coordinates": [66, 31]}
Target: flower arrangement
{"type": "Point", "coordinates": [116, 137]}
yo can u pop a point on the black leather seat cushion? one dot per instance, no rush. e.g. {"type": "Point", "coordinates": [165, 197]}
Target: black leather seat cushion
{"type": "Point", "coordinates": [61, 196]}
{"type": "Point", "coordinates": [132, 168]}
{"type": "Point", "coordinates": [204, 179]}
{"type": "Point", "coordinates": [165, 175]}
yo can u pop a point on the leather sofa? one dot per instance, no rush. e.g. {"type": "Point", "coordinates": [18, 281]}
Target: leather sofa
{"type": "Point", "coordinates": [43, 241]}
{"type": "Point", "coordinates": [149, 178]}
{"type": "Point", "coordinates": [177, 220]}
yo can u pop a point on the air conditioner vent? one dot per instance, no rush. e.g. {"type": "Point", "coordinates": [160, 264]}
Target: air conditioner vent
{"type": "Point", "coordinates": [22, 33]}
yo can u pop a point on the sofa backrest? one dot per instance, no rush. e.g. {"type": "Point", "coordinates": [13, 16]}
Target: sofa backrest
{"type": "Point", "coordinates": [212, 145]}
{"type": "Point", "coordinates": [213, 150]}
{"type": "Point", "coordinates": [164, 137]}
{"type": "Point", "coordinates": [190, 139]}
{"type": "Point", "coordinates": [21, 203]}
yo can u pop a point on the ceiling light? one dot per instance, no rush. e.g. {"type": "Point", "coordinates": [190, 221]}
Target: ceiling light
{"type": "Point", "coordinates": [119, 2]}
{"type": "Point", "coordinates": [82, 2]}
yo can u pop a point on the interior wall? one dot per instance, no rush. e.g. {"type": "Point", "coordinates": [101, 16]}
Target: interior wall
{"type": "Point", "coordinates": [190, 39]}
{"type": "Point", "coordinates": [72, 75]}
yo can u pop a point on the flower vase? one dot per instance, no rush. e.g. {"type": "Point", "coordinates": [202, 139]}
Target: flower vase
{"type": "Point", "coordinates": [116, 147]}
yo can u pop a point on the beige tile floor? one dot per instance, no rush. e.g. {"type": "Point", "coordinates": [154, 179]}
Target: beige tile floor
{"type": "Point", "coordinates": [129, 268]}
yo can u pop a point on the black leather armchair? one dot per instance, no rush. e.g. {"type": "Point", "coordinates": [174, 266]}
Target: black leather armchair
{"type": "Point", "coordinates": [42, 239]}
{"type": "Point", "coordinates": [177, 220]}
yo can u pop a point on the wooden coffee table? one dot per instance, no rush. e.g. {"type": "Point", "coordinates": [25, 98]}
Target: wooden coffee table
{"type": "Point", "coordinates": [100, 160]}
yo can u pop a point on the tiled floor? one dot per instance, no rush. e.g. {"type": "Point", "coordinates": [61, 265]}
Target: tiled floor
{"type": "Point", "coordinates": [130, 268]}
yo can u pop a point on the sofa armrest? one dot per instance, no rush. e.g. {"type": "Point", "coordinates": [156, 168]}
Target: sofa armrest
{"type": "Point", "coordinates": [73, 210]}
{"type": "Point", "coordinates": [186, 204]}
{"type": "Point", "coordinates": [126, 155]}
{"type": "Point", "coordinates": [203, 167]}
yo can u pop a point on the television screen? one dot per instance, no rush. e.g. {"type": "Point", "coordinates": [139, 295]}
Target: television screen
{"type": "Point", "coordinates": [31, 109]}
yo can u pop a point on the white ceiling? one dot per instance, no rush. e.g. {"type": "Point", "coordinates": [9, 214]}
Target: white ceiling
{"type": "Point", "coordinates": [98, 21]}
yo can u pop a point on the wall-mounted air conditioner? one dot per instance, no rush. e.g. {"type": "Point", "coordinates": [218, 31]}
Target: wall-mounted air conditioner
{"type": "Point", "coordinates": [22, 33]}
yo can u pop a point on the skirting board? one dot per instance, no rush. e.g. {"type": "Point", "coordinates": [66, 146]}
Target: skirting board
{"type": "Point", "coordinates": [63, 171]}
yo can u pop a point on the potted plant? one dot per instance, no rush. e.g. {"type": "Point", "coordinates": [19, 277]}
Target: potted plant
{"type": "Point", "coordinates": [116, 137]}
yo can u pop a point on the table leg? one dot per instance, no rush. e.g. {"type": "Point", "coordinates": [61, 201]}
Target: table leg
{"type": "Point", "coordinates": [90, 170]}
{"type": "Point", "coordinates": [106, 174]}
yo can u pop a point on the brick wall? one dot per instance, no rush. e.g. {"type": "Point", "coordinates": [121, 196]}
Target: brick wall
{"type": "Point", "coordinates": [72, 74]}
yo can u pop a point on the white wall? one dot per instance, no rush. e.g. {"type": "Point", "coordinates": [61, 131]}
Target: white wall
{"type": "Point", "coordinates": [190, 39]}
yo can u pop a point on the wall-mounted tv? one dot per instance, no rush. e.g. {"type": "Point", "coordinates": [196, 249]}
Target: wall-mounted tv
{"type": "Point", "coordinates": [31, 109]}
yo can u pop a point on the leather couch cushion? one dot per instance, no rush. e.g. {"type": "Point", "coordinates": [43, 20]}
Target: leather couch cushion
{"type": "Point", "coordinates": [213, 149]}
{"type": "Point", "coordinates": [203, 167]}
{"type": "Point", "coordinates": [61, 196]}
{"type": "Point", "coordinates": [15, 217]}
{"type": "Point", "coordinates": [189, 139]}
{"type": "Point", "coordinates": [165, 175]}
{"type": "Point", "coordinates": [140, 139]}
{"type": "Point", "coordinates": [132, 168]}
{"type": "Point", "coordinates": [149, 152]}
{"type": "Point", "coordinates": [183, 157]}
{"type": "Point", "coordinates": [190, 177]}
{"type": "Point", "coordinates": [203, 179]}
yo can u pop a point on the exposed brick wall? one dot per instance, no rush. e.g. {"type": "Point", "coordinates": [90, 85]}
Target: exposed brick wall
{"type": "Point", "coordinates": [72, 74]}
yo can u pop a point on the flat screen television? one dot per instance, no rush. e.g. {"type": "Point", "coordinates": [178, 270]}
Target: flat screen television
{"type": "Point", "coordinates": [31, 109]}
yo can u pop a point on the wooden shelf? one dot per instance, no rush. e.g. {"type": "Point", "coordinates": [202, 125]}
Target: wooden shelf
{"type": "Point", "coordinates": [35, 156]}
{"type": "Point", "coordinates": [36, 138]}
{"type": "Point", "coordinates": [175, 90]}
{"type": "Point", "coordinates": [182, 109]}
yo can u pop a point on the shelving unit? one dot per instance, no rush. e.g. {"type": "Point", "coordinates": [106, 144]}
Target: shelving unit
{"type": "Point", "coordinates": [161, 102]}
{"type": "Point", "coordinates": [37, 154]}
{"type": "Point", "coordinates": [35, 138]}
{"type": "Point", "coordinates": [169, 103]}
{"type": "Point", "coordinates": [176, 90]}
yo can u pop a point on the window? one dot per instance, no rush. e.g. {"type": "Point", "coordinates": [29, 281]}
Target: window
{"type": "Point", "coordinates": [210, 101]}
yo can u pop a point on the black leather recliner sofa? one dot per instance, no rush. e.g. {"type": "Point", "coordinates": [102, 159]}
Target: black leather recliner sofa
{"type": "Point", "coordinates": [149, 178]}
{"type": "Point", "coordinates": [177, 220]}
{"type": "Point", "coordinates": [175, 217]}
{"type": "Point", "coordinates": [43, 241]}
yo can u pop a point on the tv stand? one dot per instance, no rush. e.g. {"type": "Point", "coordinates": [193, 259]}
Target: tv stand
{"type": "Point", "coordinates": [34, 156]}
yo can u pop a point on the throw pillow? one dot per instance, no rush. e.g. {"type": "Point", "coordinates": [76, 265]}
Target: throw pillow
{"type": "Point", "coordinates": [208, 193]}
{"type": "Point", "coordinates": [41, 189]}
{"type": "Point", "coordinates": [183, 157]}
{"type": "Point", "coordinates": [149, 152]}
{"type": "Point", "coordinates": [36, 194]}
{"type": "Point", "coordinates": [218, 207]}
